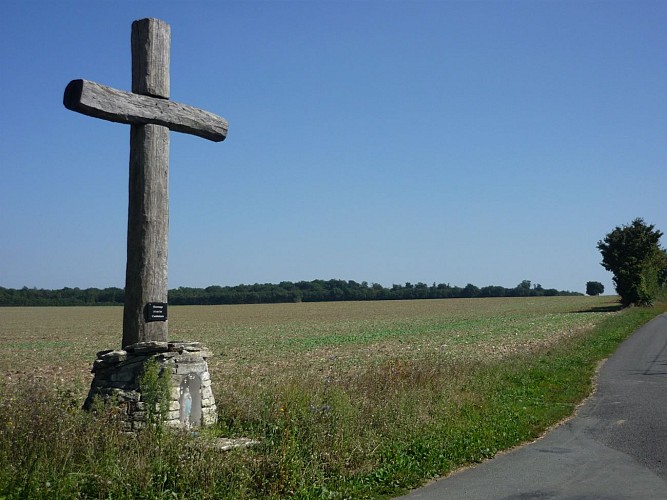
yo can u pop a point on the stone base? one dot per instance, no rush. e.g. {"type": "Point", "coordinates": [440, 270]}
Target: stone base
{"type": "Point", "coordinates": [118, 372]}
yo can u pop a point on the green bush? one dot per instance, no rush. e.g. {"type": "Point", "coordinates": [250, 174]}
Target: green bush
{"type": "Point", "coordinates": [633, 254]}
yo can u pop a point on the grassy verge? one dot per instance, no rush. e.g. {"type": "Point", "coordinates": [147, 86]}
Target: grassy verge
{"type": "Point", "coordinates": [372, 430]}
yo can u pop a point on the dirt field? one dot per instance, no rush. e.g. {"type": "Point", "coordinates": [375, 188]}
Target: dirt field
{"type": "Point", "coordinates": [272, 341]}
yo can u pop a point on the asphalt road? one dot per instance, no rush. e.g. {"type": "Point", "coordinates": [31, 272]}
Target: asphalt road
{"type": "Point", "coordinates": [614, 448]}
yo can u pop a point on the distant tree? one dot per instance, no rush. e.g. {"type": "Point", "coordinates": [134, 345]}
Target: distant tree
{"type": "Point", "coordinates": [492, 291]}
{"type": "Point", "coordinates": [470, 291]}
{"type": "Point", "coordinates": [633, 254]}
{"type": "Point", "coordinates": [522, 289]}
{"type": "Point", "coordinates": [594, 288]}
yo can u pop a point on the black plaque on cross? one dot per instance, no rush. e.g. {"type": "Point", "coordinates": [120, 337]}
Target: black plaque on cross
{"type": "Point", "coordinates": [150, 113]}
{"type": "Point", "coordinates": [156, 311]}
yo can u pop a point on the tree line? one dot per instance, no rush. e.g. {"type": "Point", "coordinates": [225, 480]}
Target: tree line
{"type": "Point", "coordinates": [286, 291]}
{"type": "Point", "coordinates": [632, 252]}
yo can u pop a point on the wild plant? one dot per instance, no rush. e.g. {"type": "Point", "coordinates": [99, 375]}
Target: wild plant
{"type": "Point", "coordinates": [155, 388]}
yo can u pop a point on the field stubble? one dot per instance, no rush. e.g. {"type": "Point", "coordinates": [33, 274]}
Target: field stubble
{"type": "Point", "coordinates": [265, 343]}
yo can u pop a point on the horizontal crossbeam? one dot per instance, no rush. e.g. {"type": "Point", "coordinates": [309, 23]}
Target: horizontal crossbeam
{"type": "Point", "coordinates": [100, 101]}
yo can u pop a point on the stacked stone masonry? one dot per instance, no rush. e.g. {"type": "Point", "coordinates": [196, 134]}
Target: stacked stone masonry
{"type": "Point", "coordinates": [118, 374]}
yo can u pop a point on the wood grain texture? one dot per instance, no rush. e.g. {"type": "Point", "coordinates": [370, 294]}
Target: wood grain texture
{"type": "Point", "coordinates": [100, 101]}
{"type": "Point", "coordinates": [151, 44]}
{"type": "Point", "coordinates": [148, 205]}
{"type": "Point", "coordinates": [147, 232]}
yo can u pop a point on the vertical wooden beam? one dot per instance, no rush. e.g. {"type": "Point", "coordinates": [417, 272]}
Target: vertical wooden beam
{"type": "Point", "coordinates": [151, 45]}
{"type": "Point", "coordinates": [148, 208]}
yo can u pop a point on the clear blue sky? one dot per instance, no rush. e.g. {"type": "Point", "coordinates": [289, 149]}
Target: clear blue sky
{"type": "Point", "coordinates": [436, 141]}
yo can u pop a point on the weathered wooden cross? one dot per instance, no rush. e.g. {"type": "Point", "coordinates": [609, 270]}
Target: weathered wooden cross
{"type": "Point", "coordinates": [151, 115]}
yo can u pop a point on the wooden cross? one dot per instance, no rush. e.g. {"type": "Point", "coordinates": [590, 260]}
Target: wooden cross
{"type": "Point", "coordinates": [151, 115]}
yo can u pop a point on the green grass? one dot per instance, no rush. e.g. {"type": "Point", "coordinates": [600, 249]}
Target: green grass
{"type": "Point", "coordinates": [357, 401]}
